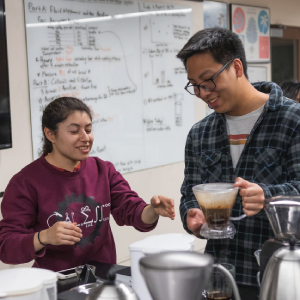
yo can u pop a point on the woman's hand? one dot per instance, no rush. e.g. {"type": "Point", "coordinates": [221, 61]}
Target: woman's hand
{"type": "Point", "coordinates": [159, 206]}
{"type": "Point", "coordinates": [61, 233]}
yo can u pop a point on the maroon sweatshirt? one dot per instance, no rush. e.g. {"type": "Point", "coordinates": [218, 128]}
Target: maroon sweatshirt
{"type": "Point", "coordinates": [40, 195]}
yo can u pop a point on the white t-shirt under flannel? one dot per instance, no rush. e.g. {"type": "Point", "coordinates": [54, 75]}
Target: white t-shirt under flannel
{"type": "Point", "coordinates": [238, 129]}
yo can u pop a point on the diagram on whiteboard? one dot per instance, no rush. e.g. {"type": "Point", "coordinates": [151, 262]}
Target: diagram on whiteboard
{"type": "Point", "coordinates": [120, 59]}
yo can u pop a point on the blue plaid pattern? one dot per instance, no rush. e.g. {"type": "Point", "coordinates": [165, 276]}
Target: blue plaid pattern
{"type": "Point", "coordinates": [271, 158]}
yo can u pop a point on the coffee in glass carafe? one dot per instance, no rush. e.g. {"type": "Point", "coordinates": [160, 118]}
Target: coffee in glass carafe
{"type": "Point", "coordinates": [216, 201]}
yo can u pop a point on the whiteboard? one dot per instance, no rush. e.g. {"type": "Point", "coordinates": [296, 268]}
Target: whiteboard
{"type": "Point", "coordinates": [257, 74]}
{"type": "Point", "coordinates": [119, 57]}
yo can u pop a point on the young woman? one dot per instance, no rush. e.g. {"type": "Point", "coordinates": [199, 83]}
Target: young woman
{"type": "Point", "coordinates": [56, 210]}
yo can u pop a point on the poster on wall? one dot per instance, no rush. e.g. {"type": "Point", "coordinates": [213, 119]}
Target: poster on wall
{"type": "Point", "coordinates": [252, 25]}
{"type": "Point", "coordinates": [215, 14]}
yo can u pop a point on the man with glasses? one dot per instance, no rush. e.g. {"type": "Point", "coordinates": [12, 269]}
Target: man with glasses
{"type": "Point", "coordinates": [252, 140]}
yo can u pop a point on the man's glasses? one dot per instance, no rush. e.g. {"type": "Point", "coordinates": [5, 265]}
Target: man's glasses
{"type": "Point", "coordinates": [207, 85]}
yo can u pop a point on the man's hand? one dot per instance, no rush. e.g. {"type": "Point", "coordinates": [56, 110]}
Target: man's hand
{"type": "Point", "coordinates": [252, 195]}
{"type": "Point", "coordinates": [159, 206]}
{"type": "Point", "coordinates": [195, 220]}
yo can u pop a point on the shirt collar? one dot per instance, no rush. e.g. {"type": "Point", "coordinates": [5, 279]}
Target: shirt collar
{"type": "Point", "coordinates": [275, 100]}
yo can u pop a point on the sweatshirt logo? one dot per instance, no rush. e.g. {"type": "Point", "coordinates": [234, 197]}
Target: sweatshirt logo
{"type": "Point", "coordinates": [85, 211]}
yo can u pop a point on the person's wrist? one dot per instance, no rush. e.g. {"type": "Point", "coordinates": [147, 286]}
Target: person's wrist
{"type": "Point", "coordinates": [43, 237]}
{"type": "Point", "coordinates": [152, 209]}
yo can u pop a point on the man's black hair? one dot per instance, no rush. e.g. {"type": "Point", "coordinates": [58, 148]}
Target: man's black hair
{"type": "Point", "coordinates": [221, 43]}
{"type": "Point", "coordinates": [290, 89]}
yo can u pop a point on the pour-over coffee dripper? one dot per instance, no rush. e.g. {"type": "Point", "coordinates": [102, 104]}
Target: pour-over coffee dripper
{"type": "Point", "coordinates": [216, 201]}
{"type": "Point", "coordinates": [283, 213]}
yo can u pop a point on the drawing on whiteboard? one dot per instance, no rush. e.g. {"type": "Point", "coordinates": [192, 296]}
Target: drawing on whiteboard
{"type": "Point", "coordinates": [178, 109]}
{"type": "Point", "coordinates": [100, 46]}
{"type": "Point", "coordinates": [159, 76]}
{"type": "Point", "coordinates": [156, 124]}
{"type": "Point", "coordinates": [169, 34]}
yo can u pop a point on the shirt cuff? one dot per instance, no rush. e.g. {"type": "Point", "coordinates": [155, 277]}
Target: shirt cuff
{"type": "Point", "coordinates": [28, 248]}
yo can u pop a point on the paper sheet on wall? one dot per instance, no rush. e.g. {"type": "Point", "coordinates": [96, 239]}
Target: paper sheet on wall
{"type": "Point", "coordinates": [119, 57]}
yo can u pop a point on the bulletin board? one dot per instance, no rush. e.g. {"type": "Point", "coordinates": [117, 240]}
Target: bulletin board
{"type": "Point", "coordinates": [252, 25]}
{"type": "Point", "coordinates": [119, 57]}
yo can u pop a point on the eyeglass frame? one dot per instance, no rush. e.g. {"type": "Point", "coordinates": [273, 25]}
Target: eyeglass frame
{"type": "Point", "coordinates": [210, 79]}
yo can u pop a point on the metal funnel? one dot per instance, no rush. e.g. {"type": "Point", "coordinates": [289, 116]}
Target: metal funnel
{"type": "Point", "coordinates": [176, 275]}
{"type": "Point", "coordinates": [284, 215]}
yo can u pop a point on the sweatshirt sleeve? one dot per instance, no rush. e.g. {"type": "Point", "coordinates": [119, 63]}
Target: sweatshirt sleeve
{"type": "Point", "coordinates": [126, 205]}
{"type": "Point", "coordinates": [19, 211]}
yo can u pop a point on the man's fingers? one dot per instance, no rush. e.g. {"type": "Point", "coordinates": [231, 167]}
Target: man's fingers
{"type": "Point", "coordinates": [253, 206]}
{"type": "Point", "coordinates": [251, 191]}
{"type": "Point", "coordinates": [192, 212]}
{"type": "Point", "coordinates": [195, 220]}
{"type": "Point", "coordinates": [250, 213]}
{"type": "Point", "coordinates": [242, 183]}
{"type": "Point", "coordinates": [253, 199]}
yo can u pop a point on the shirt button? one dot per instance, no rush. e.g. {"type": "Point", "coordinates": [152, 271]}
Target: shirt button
{"type": "Point", "coordinates": [230, 177]}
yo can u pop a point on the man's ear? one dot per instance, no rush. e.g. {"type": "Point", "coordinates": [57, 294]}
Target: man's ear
{"type": "Point", "coordinates": [238, 66]}
{"type": "Point", "coordinates": [49, 135]}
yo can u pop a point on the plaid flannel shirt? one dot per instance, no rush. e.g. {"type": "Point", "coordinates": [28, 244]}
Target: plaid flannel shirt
{"type": "Point", "coordinates": [270, 158]}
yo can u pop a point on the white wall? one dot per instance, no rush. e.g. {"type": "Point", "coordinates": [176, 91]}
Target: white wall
{"type": "Point", "coordinates": [162, 180]}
